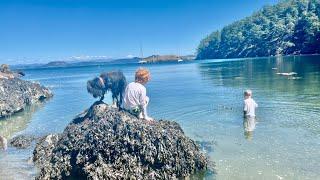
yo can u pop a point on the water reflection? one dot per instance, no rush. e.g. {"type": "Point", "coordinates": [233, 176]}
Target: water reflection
{"type": "Point", "coordinates": [262, 73]}
{"type": "Point", "coordinates": [14, 162]}
{"type": "Point", "coordinates": [288, 117]}
{"type": "Point", "coordinates": [11, 125]}
{"type": "Point", "coordinates": [249, 125]}
{"type": "Point", "coordinates": [294, 98]}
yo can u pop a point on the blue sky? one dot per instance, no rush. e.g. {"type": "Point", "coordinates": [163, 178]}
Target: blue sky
{"type": "Point", "coordinates": [33, 31]}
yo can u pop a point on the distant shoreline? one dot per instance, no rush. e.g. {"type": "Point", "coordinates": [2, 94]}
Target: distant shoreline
{"type": "Point", "coordinates": [261, 57]}
{"type": "Point", "coordinates": [134, 61]}
{"type": "Point", "coordinates": [168, 58]}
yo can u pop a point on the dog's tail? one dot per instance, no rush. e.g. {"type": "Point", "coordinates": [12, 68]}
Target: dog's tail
{"type": "Point", "coordinates": [95, 87]}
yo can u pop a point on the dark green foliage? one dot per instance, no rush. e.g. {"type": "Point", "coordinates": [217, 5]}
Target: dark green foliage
{"type": "Point", "coordinates": [290, 27]}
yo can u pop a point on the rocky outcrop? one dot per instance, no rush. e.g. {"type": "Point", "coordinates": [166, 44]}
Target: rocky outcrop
{"type": "Point", "coordinates": [22, 141]}
{"type": "Point", "coordinates": [43, 150]}
{"type": "Point", "coordinates": [15, 94]}
{"type": "Point", "coordinates": [6, 73]}
{"type": "Point", "coordinates": [105, 143]}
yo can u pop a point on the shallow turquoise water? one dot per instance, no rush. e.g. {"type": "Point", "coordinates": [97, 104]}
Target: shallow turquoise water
{"type": "Point", "coordinates": [205, 97]}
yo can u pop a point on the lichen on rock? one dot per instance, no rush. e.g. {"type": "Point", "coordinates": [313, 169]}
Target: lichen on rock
{"type": "Point", "coordinates": [105, 143]}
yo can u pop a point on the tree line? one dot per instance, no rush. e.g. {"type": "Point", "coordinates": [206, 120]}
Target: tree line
{"type": "Point", "coordinates": [290, 27]}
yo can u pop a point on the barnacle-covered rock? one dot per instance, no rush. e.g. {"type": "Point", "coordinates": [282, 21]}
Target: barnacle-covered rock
{"type": "Point", "coordinates": [44, 148]}
{"type": "Point", "coordinates": [22, 141]}
{"type": "Point", "coordinates": [16, 94]}
{"type": "Point", "coordinates": [105, 143]}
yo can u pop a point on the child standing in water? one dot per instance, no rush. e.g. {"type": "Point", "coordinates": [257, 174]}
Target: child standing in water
{"type": "Point", "coordinates": [3, 142]}
{"type": "Point", "coordinates": [249, 122]}
{"type": "Point", "coordinates": [249, 104]}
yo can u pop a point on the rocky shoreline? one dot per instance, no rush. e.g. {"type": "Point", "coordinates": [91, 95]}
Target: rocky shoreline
{"type": "Point", "coordinates": [16, 94]}
{"type": "Point", "coordinates": [105, 143]}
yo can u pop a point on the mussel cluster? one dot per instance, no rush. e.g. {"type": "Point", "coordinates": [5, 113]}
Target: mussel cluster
{"type": "Point", "coordinates": [107, 143]}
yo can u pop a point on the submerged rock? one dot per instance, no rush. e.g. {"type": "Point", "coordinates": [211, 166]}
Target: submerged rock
{"type": "Point", "coordinates": [15, 94]}
{"type": "Point", "coordinates": [22, 141]}
{"type": "Point", "coordinates": [105, 143]}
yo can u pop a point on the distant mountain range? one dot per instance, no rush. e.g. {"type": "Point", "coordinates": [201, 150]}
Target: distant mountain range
{"type": "Point", "coordinates": [291, 27]}
{"type": "Point", "coordinates": [101, 61]}
{"type": "Point", "coordinates": [91, 62]}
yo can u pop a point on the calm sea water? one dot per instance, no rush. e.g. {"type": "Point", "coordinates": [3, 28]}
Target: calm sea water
{"type": "Point", "coordinates": [206, 98]}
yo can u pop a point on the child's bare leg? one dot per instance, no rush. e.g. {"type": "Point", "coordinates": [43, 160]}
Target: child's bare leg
{"type": "Point", "coordinates": [114, 103]}
{"type": "Point", "coordinates": [145, 114]}
{"type": "Point", "coordinates": [4, 142]}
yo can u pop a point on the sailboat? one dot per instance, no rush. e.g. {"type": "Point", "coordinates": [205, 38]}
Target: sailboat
{"type": "Point", "coordinates": [179, 57]}
{"type": "Point", "coordinates": [142, 62]}
{"type": "Point", "coordinates": [141, 56]}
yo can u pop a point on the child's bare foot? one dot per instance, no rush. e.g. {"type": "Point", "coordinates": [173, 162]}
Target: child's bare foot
{"type": "Point", "coordinates": [140, 116]}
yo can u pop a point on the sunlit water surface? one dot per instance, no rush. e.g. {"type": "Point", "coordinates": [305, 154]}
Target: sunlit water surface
{"type": "Point", "coordinates": [206, 98]}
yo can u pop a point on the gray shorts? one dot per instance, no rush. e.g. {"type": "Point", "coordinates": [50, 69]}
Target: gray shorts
{"type": "Point", "coordinates": [135, 111]}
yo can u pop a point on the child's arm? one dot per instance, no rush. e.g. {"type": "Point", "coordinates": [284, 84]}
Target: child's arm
{"type": "Point", "coordinates": [245, 109]}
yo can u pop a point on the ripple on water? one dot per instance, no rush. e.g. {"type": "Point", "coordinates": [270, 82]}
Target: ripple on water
{"type": "Point", "coordinates": [206, 99]}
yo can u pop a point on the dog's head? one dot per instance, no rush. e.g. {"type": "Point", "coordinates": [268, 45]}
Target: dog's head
{"type": "Point", "coordinates": [96, 87]}
{"type": "Point", "coordinates": [108, 78]}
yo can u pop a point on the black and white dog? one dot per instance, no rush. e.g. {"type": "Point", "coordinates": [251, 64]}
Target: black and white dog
{"type": "Point", "coordinates": [113, 81]}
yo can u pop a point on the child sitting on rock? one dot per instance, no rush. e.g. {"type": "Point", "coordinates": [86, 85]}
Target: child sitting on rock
{"type": "Point", "coordinates": [135, 97]}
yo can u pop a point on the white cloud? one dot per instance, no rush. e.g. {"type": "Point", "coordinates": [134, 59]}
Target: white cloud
{"type": "Point", "coordinates": [87, 57]}
{"type": "Point", "coordinates": [130, 56]}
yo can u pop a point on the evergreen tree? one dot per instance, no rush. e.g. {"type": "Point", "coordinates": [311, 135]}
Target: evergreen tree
{"type": "Point", "coordinates": [289, 27]}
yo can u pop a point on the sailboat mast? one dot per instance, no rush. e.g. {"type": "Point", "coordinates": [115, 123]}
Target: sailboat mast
{"type": "Point", "coordinates": [141, 52]}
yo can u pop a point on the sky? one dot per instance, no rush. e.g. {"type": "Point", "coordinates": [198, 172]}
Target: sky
{"type": "Point", "coordinates": [39, 31]}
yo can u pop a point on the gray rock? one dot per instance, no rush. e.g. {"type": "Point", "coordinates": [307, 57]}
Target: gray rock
{"type": "Point", "coordinates": [105, 143]}
{"type": "Point", "coordinates": [22, 141]}
{"type": "Point", "coordinates": [15, 94]}
{"type": "Point", "coordinates": [44, 149]}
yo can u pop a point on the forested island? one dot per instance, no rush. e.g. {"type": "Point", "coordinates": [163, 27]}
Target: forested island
{"type": "Point", "coordinates": [290, 27]}
{"type": "Point", "coordinates": [167, 58]}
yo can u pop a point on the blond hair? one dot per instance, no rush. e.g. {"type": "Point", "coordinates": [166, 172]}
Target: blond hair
{"type": "Point", "coordinates": [248, 92]}
{"type": "Point", "coordinates": [142, 75]}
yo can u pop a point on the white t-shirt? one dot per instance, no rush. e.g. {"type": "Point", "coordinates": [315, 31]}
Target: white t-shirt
{"type": "Point", "coordinates": [135, 95]}
{"type": "Point", "coordinates": [249, 107]}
